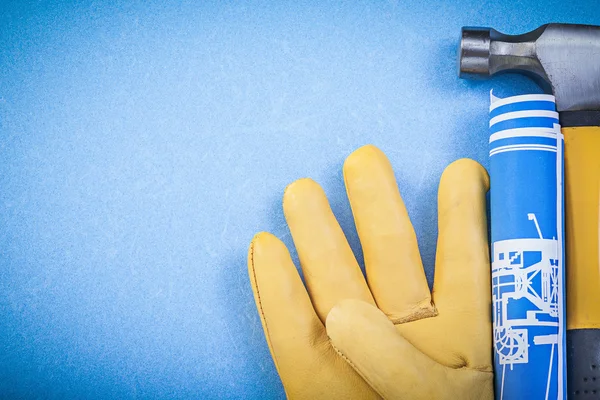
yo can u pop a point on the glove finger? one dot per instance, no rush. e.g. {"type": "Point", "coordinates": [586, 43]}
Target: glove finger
{"type": "Point", "coordinates": [369, 342]}
{"type": "Point", "coordinates": [307, 364]}
{"type": "Point", "coordinates": [330, 269]}
{"type": "Point", "coordinates": [292, 328]}
{"type": "Point", "coordinates": [393, 263]}
{"type": "Point", "coordinates": [462, 272]}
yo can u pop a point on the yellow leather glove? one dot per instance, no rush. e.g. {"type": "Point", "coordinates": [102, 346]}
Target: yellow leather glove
{"type": "Point", "coordinates": [406, 342]}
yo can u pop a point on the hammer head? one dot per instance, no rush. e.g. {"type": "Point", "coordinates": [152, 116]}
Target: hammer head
{"type": "Point", "coordinates": [562, 58]}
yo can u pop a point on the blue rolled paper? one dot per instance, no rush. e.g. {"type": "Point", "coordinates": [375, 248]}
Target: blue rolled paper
{"type": "Point", "coordinates": [527, 220]}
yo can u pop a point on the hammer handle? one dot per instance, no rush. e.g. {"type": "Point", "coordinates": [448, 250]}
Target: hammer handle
{"type": "Point", "coordinates": [582, 184]}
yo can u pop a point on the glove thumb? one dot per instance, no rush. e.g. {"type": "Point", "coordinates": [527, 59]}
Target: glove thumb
{"type": "Point", "coordinates": [371, 344]}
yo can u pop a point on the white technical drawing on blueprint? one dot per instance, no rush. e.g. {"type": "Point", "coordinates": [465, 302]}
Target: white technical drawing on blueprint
{"type": "Point", "coordinates": [525, 272]}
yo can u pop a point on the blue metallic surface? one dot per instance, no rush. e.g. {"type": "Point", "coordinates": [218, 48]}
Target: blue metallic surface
{"type": "Point", "coordinates": [143, 144]}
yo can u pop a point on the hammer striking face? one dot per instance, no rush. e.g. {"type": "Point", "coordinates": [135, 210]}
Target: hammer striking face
{"type": "Point", "coordinates": [562, 58]}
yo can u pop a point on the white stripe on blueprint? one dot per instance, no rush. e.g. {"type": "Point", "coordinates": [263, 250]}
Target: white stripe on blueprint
{"type": "Point", "coordinates": [550, 372]}
{"type": "Point", "coordinates": [497, 102]}
{"type": "Point", "coordinates": [559, 254]}
{"type": "Point", "coordinates": [522, 132]}
{"type": "Point", "coordinates": [523, 114]}
{"type": "Point", "coordinates": [522, 147]}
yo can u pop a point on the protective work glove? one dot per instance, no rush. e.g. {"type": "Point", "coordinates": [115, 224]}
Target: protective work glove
{"type": "Point", "coordinates": [392, 337]}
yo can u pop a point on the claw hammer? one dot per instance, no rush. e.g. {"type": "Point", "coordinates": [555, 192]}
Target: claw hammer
{"type": "Point", "coordinates": [563, 59]}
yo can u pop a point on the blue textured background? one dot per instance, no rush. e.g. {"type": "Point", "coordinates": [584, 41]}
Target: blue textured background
{"type": "Point", "coordinates": [142, 146]}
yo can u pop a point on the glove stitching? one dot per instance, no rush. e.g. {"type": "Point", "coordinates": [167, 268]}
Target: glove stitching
{"type": "Point", "coordinates": [341, 354]}
{"type": "Point", "coordinates": [260, 307]}
{"type": "Point", "coordinates": [349, 362]}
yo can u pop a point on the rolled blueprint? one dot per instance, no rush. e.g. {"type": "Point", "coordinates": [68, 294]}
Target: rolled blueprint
{"type": "Point", "coordinates": [526, 201]}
